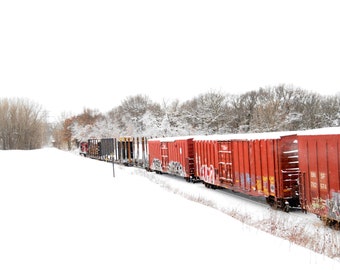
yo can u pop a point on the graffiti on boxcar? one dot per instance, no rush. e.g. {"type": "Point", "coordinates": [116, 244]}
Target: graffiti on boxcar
{"type": "Point", "coordinates": [176, 168]}
{"type": "Point", "coordinates": [265, 185]}
{"type": "Point", "coordinates": [248, 178]}
{"type": "Point", "coordinates": [272, 184]}
{"type": "Point", "coordinates": [258, 183]}
{"type": "Point", "coordinates": [318, 206]}
{"type": "Point", "coordinates": [242, 181]}
{"type": "Point", "coordinates": [156, 165]}
{"type": "Point", "coordinates": [207, 173]}
{"type": "Point", "coordinates": [333, 206]}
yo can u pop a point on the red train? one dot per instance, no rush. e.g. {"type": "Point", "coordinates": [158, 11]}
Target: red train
{"type": "Point", "coordinates": [289, 169]}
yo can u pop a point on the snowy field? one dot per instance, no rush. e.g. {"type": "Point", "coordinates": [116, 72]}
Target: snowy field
{"type": "Point", "coordinates": [62, 211]}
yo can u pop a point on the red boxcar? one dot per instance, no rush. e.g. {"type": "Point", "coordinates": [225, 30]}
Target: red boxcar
{"type": "Point", "coordinates": [255, 164]}
{"type": "Point", "coordinates": [83, 148]}
{"type": "Point", "coordinates": [155, 157]}
{"type": "Point", "coordinates": [173, 156]}
{"type": "Point", "coordinates": [319, 160]}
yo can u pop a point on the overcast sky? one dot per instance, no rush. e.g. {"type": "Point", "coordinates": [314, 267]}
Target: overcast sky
{"type": "Point", "coordinates": [71, 54]}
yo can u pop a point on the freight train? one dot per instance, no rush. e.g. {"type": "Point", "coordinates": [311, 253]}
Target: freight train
{"type": "Point", "coordinates": [289, 169]}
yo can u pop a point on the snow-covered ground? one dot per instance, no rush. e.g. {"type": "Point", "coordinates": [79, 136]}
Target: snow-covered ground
{"type": "Point", "coordinates": [62, 211]}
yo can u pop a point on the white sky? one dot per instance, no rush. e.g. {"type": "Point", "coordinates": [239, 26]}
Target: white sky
{"type": "Point", "coordinates": [71, 54]}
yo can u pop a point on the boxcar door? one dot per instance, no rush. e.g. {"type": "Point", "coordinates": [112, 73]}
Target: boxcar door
{"type": "Point", "coordinates": [290, 177]}
{"type": "Point", "coordinates": [165, 156]}
{"type": "Point", "coordinates": [225, 161]}
{"type": "Point", "coordinates": [189, 160]}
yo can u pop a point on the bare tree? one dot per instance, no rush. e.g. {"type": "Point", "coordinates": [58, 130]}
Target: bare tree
{"type": "Point", "coordinates": [23, 124]}
{"type": "Point", "coordinates": [242, 111]}
{"type": "Point", "coordinates": [266, 114]}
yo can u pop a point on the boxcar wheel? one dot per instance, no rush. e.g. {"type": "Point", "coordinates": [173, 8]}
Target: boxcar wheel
{"type": "Point", "coordinates": [286, 208]}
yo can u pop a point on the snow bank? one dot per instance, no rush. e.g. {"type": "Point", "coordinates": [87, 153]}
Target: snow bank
{"type": "Point", "coordinates": [62, 211]}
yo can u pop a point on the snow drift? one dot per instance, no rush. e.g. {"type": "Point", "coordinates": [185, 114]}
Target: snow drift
{"type": "Point", "coordinates": [62, 211]}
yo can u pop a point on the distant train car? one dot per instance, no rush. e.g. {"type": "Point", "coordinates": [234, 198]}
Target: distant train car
{"type": "Point", "coordinates": [319, 162]}
{"type": "Point", "coordinates": [253, 164]}
{"type": "Point", "coordinates": [130, 151]}
{"type": "Point", "coordinates": [125, 150]}
{"type": "Point", "coordinates": [94, 148]}
{"type": "Point", "coordinates": [174, 156]}
{"type": "Point", "coordinates": [141, 151]}
{"type": "Point", "coordinates": [107, 149]}
{"type": "Point", "coordinates": [83, 148]}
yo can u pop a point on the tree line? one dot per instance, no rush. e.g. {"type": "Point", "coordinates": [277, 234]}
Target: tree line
{"type": "Point", "coordinates": [23, 124]}
{"type": "Point", "coordinates": [277, 108]}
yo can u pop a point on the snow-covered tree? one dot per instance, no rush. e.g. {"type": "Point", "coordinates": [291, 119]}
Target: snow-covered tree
{"type": "Point", "coordinates": [207, 113]}
{"type": "Point", "coordinates": [281, 107]}
{"type": "Point", "coordinates": [130, 115]}
{"type": "Point", "coordinates": [172, 123]}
